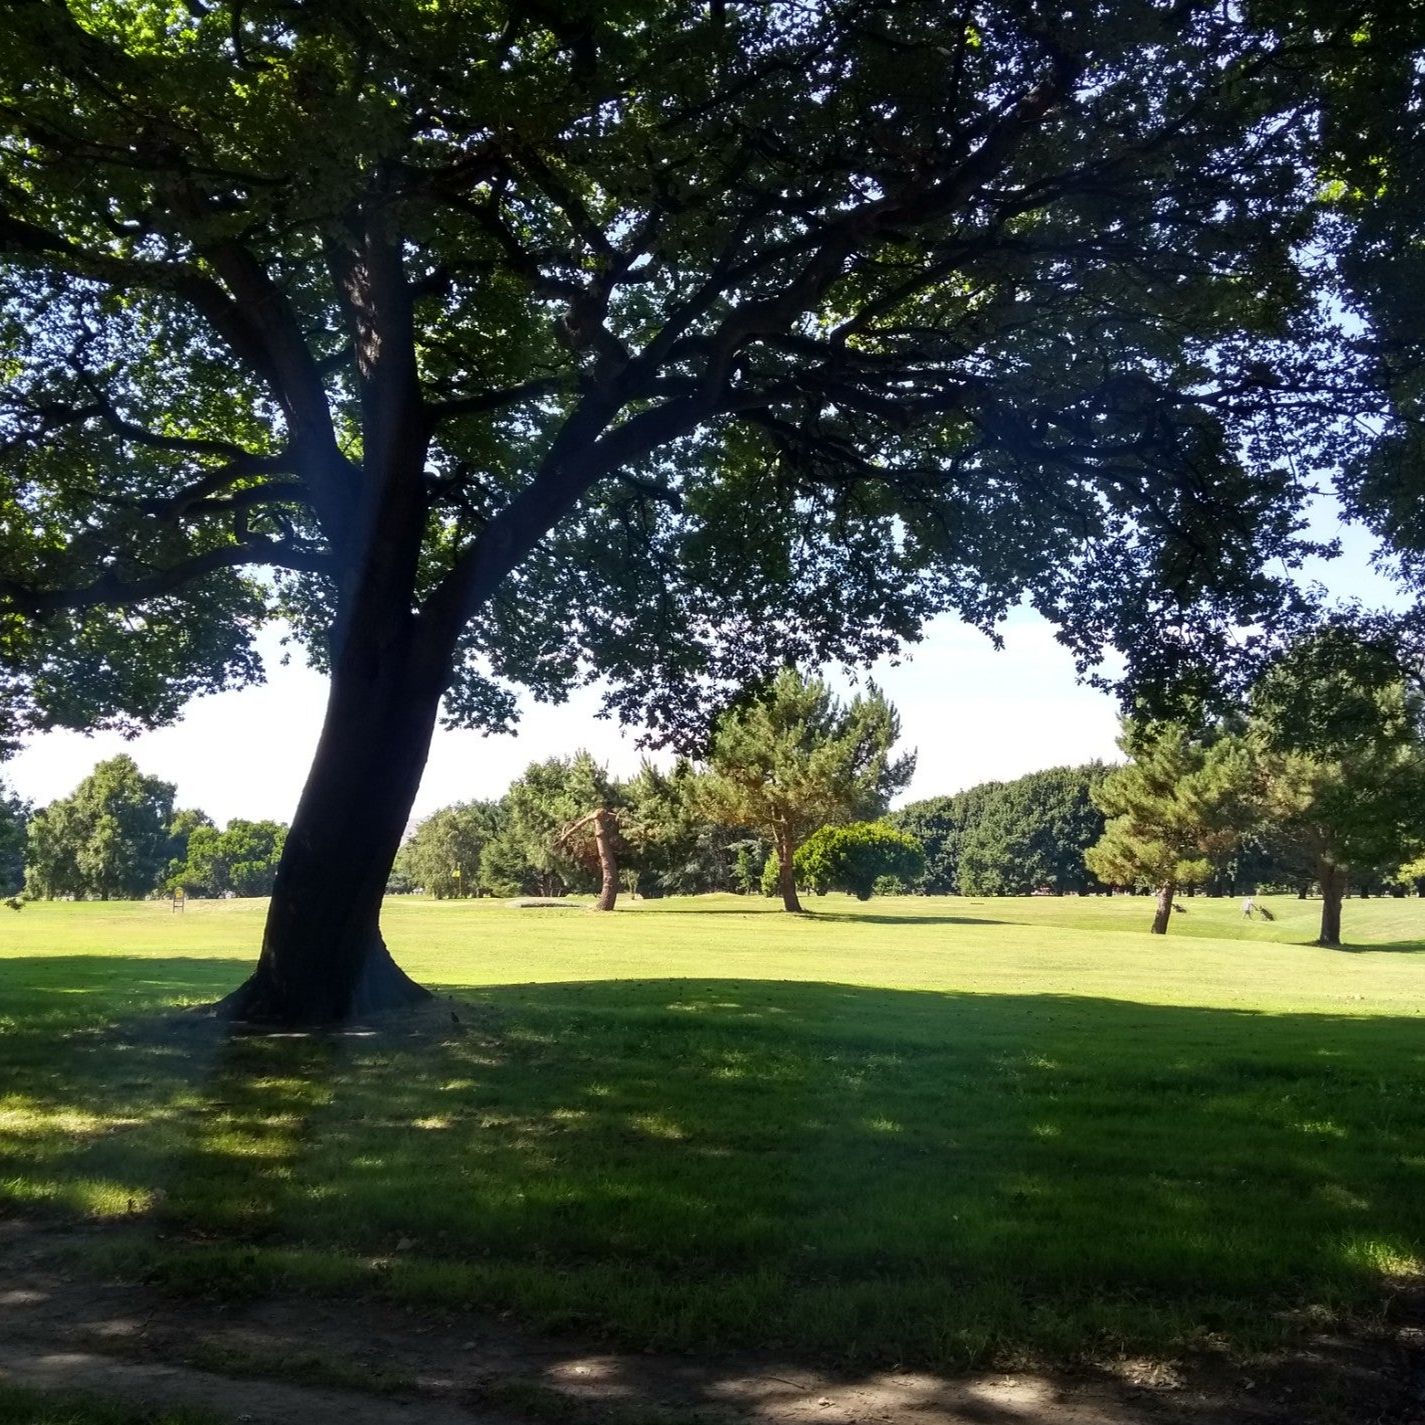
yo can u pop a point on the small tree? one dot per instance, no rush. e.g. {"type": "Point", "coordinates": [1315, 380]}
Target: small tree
{"type": "Point", "coordinates": [601, 827]}
{"type": "Point", "coordinates": [793, 758]}
{"type": "Point", "coordinates": [750, 854]}
{"type": "Point", "coordinates": [252, 851]}
{"type": "Point", "coordinates": [1411, 876]}
{"type": "Point", "coordinates": [186, 820]}
{"type": "Point", "coordinates": [201, 871]}
{"type": "Point", "coordinates": [1179, 804]}
{"type": "Point", "coordinates": [670, 841]}
{"type": "Point", "coordinates": [853, 858]}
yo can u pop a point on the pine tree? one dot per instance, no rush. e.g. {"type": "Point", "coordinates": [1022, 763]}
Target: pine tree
{"type": "Point", "coordinates": [1336, 731]}
{"type": "Point", "coordinates": [794, 758]}
{"type": "Point", "coordinates": [1180, 803]}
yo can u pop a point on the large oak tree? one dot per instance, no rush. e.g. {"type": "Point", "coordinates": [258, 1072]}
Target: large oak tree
{"type": "Point", "coordinates": [498, 344]}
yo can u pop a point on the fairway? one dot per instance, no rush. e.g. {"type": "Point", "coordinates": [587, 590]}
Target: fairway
{"type": "Point", "coordinates": [936, 1131]}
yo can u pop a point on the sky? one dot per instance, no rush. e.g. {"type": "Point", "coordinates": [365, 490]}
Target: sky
{"type": "Point", "coordinates": [971, 712]}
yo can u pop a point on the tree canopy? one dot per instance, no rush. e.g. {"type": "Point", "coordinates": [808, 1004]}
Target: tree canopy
{"type": "Point", "coordinates": [502, 346]}
{"type": "Point", "coordinates": [443, 854]}
{"type": "Point", "coordinates": [108, 839]}
{"type": "Point", "coordinates": [877, 265]}
{"type": "Point", "coordinates": [855, 857]}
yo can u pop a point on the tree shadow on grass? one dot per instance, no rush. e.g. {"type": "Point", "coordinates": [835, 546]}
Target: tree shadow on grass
{"type": "Point", "coordinates": [812, 911]}
{"type": "Point", "coordinates": [860, 917]}
{"type": "Point", "coordinates": [842, 1173]}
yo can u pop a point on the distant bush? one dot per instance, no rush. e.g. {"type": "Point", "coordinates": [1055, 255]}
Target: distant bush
{"type": "Point", "coordinates": [855, 858]}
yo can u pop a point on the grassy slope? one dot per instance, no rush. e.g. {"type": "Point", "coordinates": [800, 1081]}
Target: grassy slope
{"type": "Point", "coordinates": [934, 1131]}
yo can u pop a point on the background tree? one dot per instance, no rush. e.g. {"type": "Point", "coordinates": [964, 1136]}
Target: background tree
{"type": "Point", "coordinates": [14, 813]}
{"type": "Point", "coordinates": [672, 844]}
{"type": "Point", "coordinates": [1032, 833]}
{"type": "Point", "coordinates": [1009, 838]}
{"type": "Point", "coordinates": [202, 871]}
{"type": "Point", "coordinates": [941, 824]}
{"type": "Point", "coordinates": [108, 839]}
{"type": "Point", "coordinates": [765, 332]}
{"type": "Point", "coordinates": [527, 853]}
{"type": "Point", "coordinates": [240, 860]}
{"type": "Point", "coordinates": [443, 854]}
{"type": "Point", "coordinates": [51, 840]}
{"type": "Point", "coordinates": [1338, 735]}
{"type": "Point", "coordinates": [1411, 876]}
{"type": "Point", "coordinates": [793, 758]}
{"type": "Point", "coordinates": [1181, 802]}
{"type": "Point", "coordinates": [854, 857]}
{"type": "Point", "coordinates": [186, 820]}
{"type": "Point", "coordinates": [252, 851]}
{"type": "Point", "coordinates": [750, 855]}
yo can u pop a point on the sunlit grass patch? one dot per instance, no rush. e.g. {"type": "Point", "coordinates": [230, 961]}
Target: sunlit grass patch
{"type": "Point", "coordinates": [941, 1140]}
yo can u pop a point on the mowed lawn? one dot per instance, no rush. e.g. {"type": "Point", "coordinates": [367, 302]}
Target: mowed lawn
{"type": "Point", "coordinates": [940, 1132]}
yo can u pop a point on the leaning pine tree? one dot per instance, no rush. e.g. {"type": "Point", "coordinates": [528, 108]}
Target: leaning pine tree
{"type": "Point", "coordinates": [492, 345]}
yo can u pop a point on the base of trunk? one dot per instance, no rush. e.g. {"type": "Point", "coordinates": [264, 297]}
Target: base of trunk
{"type": "Point", "coordinates": [381, 988]}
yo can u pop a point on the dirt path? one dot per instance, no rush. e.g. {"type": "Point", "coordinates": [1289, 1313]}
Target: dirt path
{"type": "Point", "coordinates": [299, 1361]}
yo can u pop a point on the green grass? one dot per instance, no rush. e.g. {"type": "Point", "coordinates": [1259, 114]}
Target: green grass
{"type": "Point", "coordinates": [21, 1406]}
{"type": "Point", "coordinates": [939, 1132]}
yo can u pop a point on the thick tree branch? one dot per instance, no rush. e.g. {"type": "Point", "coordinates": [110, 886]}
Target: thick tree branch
{"type": "Point", "coordinates": [109, 589]}
{"type": "Point", "coordinates": [498, 400]}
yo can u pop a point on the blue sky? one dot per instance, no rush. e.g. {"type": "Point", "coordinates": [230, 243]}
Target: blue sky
{"type": "Point", "coordinates": [971, 712]}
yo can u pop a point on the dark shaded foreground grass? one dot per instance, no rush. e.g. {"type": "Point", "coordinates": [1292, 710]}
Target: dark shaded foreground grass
{"type": "Point", "coordinates": [20, 1406]}
{"type": "Point", "coordinates": [870, 1176]}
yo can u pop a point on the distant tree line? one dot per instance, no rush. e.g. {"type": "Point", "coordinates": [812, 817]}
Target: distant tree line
{"type": "Point", "coordinates": [785, 761]}
{"type": "Point", "coordinates": [1316, 780]}
{"type": "Point", "coordinates": [1010, 838]}
{"type": "Point", "coordinates": [118, 836]}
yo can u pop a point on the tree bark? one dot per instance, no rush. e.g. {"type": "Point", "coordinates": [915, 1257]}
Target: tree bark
{"type": "Point", "coordinates": [605, 828]}
{"type": "Point", "coordinates": [323, 959]}
{"type": "Point", "coordinates": [1164, 911]}
{"type": "Point", "coordinates": [1333, 886]}
{"type": "Point", "coordinates": [786, 875]}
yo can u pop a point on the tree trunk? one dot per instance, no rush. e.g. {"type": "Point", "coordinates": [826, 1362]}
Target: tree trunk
{"type": "Point", "coordinates": [323, 957]}
{"type": "Point", "coordinates": [1164, 912]}
{"type": "Point", "coordinates": [786, 875]}
{"type": "Point", "coordinates": [605, 827]}
{"type": "Point", "coordinates": [1333, 886]}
